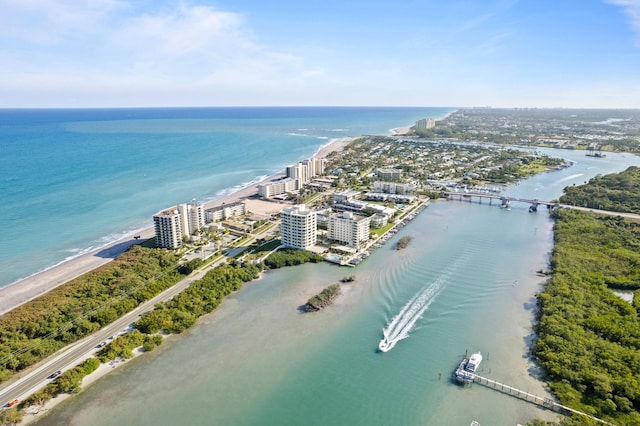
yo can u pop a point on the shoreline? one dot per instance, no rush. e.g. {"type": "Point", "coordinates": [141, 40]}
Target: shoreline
{"type": "Point", "coordinates": [34, 413]}
{"type": "Point", "coordinates": [28, 288]}
{"type": "Point", "coordinates": [403, 131]}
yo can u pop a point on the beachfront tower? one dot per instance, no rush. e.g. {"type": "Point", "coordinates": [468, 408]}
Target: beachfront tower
{"type": "Point", "coordinates": [298, 227]}
{"type": "Point", "coordinates": [168, 227]}
{"type": "Point", "coordinates": [192, 216]}
{"type": "Point", "coordinates": [425, 123]}
{"type": "Point", "coordinates": [172, 224]}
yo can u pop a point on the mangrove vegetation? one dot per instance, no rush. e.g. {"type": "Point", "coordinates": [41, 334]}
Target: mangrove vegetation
{"type": "Point", "coordinates": [323, 299]}
{"type": "Point", "coordinates": [589, 337]}
{"type": "Point", "coordinates": [618, 192]}
{"type": "Point", "coordinates": [403, 242]}
{"type": "Point", "coordinates": [38, 328]}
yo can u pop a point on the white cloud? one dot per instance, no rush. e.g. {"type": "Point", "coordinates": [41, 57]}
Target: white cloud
{"type": "Point", "coordinates": [51, 21]}
{"type": "Point", "coordinates": [110, 46]}
{"type": "Point", "coordinates": [632, 10]}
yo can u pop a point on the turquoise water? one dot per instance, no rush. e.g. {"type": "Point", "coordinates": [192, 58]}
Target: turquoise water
{"type": "Point", "coordinates": [258, 361]}
{"type": "Point", "coordinates": [75, 180]}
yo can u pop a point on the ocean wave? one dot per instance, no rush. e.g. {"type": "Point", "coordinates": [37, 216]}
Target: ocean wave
{"type": "Point", "coordinates": [230, 190]}
{"type": "Point", "coordinates": [297, 134]}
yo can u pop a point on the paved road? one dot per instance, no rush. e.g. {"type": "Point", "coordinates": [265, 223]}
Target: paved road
{"type": "Point", "coordinates": [604, 212]}
{"type": "Point", "coordinates": [35, 378]}
{"type": "Point", "coordinates": [31, 380]}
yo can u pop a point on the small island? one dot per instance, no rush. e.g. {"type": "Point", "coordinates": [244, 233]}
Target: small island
{"type": "Point", "coordinates": [403, 242]}
{"type": "Point", "coordinates": [323, 299]}
{"type": "Point", "coordinates": [348, 279]}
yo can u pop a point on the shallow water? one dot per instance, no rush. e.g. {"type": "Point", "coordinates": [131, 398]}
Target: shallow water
{"type": "Point", "coordinates": [258, 361]}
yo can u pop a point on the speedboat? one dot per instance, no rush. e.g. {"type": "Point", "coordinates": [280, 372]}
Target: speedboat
{"type": "Point", "coordinates": [384, 345]}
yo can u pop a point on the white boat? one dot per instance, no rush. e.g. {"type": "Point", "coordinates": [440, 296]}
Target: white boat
{"type": "Point", "coordinates": [384, 345]}
{"type": "Point", "coordinates": [473, 362]}
{"type": "Point", "coordinates": [465, 372]}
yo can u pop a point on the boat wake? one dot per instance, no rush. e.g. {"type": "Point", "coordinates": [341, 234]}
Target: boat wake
{"type": "Point", "coordinates": [400, 325]}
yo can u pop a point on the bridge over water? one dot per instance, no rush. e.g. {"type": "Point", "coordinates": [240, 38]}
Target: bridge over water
{"type": "Point", "coordinates": [504, 200]}
{"type": "Point", "coordinates": [533, 203]}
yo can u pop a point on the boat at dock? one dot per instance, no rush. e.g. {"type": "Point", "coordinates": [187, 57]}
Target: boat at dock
{"type": "Point", "coordinates": [465, 373]}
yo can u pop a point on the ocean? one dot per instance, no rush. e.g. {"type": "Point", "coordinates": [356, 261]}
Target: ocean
{"type": "Point", "coordinates": [466, 283]}
{"type": "Point", "coordinates": [74, 180]}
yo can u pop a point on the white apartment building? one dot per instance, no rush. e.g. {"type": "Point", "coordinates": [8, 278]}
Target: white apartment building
{"type": "Point", "coordinates": [168, 228]}
{"type": "Point", "coordinates": [393, 187]}
{"type": "Point", "coordinates": [425, 123]}
{"type": "Point", "coordinates": [305, 170]}
{"type": "Point", "coordinates": [348, 229]}
{"type": "Point", "coordinates": [297, 175]}
{"type": "Point", "coordinates": [192, 217]}
{"type": "Point", "coordinates": [300, 172]}
{"type": "Point", "coordinates": [282, 186]}
{"type": "Point", "coordinates": [345, 196]}
{"type": "Point", "coordinates": [298, 227]}
{"type": "Point", "coordinates": [172, 224]}
{"type": "Point", "coordinates": [389, 175]}
{"type": "Point", "coordinates": [225, 211]}
{"type": "Point", "coordinates": [315, 166]}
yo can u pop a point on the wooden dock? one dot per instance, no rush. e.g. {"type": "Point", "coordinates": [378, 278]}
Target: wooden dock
{"type": "Point", "coordinates": [534, 399]}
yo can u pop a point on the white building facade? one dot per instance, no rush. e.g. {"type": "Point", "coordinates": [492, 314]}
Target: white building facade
{"type": "Point", "coordinates": [168, 229]}
{"type": "Point", "coordinates": [172, 224]}
{"type": "Point", "coordinates": [393, 187]}
{"type": "Point", "coordinates": [279, 187]}
{"type": "Point", "coordinates": [348, 229]}
{"type": "Point", "coordinates": [225, 211]}
{"type": "Point", "coordinates": [389, 175]}
{"type": "Point", "coordinates": [425, 123]}
{"type": "Point", "coordinates": [298, 227]}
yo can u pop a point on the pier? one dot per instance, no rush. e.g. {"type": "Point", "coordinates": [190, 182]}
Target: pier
{"type": "Point", "coordinates": [534, 399]}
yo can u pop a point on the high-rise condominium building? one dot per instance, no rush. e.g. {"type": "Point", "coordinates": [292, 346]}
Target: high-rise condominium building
{"type": "Point", "coordinates": [298, 227]}
{"type": "Point", "coordinates": [348, 229]}
{"type": "Point", "coordinates": [173, 223]}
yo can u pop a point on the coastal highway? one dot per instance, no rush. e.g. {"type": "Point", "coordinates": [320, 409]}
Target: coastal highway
{"type": "Point", "coordinates": [632, 216]}
{"type": "Point", "coordinates": [31, 380]}
{"type": "Point", "coordinates": [34, 378]}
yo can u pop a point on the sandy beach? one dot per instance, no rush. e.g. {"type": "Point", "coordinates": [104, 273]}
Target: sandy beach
{"type": "Point", "coordinates": [400, 131]}
{"type": "Point", "coordinates": [35, 285]}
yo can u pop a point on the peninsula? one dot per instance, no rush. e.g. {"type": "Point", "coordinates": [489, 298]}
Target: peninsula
{"type": "Point", "coordinates": [380, 182]}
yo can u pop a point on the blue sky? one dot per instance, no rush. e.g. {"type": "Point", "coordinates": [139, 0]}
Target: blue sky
{"type": "Point", "coordinates": [509, 53]}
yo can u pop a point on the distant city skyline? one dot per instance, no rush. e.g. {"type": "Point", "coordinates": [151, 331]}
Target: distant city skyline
{"type": "Point", "coordinates": [500, 53]}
